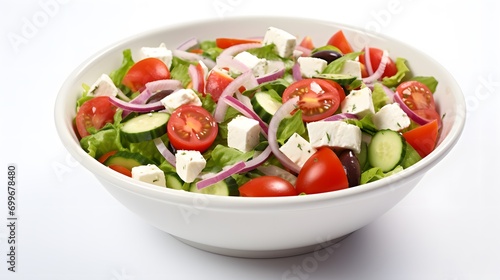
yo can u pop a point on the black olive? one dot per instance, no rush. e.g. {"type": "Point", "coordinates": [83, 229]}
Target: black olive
{"type": "Point", "coordinates": [327, 55]}
{"type": "Point", "coordinates": [159, 95]}
{"type": "Point", "coordinates": [351, 167]}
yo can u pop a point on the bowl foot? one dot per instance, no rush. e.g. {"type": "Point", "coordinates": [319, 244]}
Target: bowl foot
{"type": "Point", "coordinates": [262, 254]}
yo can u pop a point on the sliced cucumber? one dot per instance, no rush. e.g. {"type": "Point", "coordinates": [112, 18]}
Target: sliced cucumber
{"type": "Point", "coordinates": [265, 105]}
{"type": "Point", "coordinates": [173, 181]}
{"type": "Point", "coordinates": [127, 160]}
{"type": "Point", "coordinates": [341, 79]}
{"type": "Point", "coordinates": [386, 150]}
{"type": "Point", "coordinates": [226, 187]}
{"type": "Point", "coordinates": [145, 127]}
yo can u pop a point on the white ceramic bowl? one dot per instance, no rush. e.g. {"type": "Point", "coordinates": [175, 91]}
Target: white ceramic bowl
{"type": "Point", "coordinates": [260, 227]}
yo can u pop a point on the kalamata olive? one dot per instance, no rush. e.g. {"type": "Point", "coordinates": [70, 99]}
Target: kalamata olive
{"type": "Point", "coordinates": [327, 55]}
{"type": "Point", "coordinates": [351, 167]}
{"type": "Point", "coordinates": [159, 95]}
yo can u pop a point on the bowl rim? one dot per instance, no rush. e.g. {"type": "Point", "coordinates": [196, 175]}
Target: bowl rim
{"type": "Point", "coordinates": [71, 143]}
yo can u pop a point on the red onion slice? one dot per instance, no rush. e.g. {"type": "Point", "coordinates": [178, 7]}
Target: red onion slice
{"type": "Point", "coordinates": [189, 44]}
{"type": "Point", "coordinates": [277, 72]}
{"type": "Point", "coordinates": [380, 70]}
{"type": "Point", "coordinates": [216, 177]}
{"type": "Point", "coordinates": [236, 49]}
{"type": "Point", "coordinates": [231, 63]}
{"type": "Point", "coordinates": [232, 87]}
{"type": "Point", "coordinates": [195, 78]}
{"type": "Point", "coordinates": [257, 161]}
{"type": "Point", "coordinates": [283, 112]}
{"type": "Point", "coordinates": [341, 116]}
{"type": "Point", "coordinates": [368, 61]}
{"type": "Point", "coordinates": [273, 170]}
{"type": "Point", "coordinates": [388, 92]}
{"type": "Point", "coordinates": [297, 75]}
{"type": "Point", "coordinates": [164, 151]}
{"type": "Point", "coordinates": [139, 108]}
{"type": "Point", "coordinates": [247, 112]}
{"type": "Point", "coordinates": [166, 84]}
{"type": "Point", "coordinates": [305, 51]}
{"type": "Point", "coordinates": [194, 57]}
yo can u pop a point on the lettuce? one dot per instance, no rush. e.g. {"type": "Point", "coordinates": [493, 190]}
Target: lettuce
{"type": "Point", "coordinates": [118, 74]}
{"type": "Point", "coordinates": [398, 77]}
{"type": "Point", "coordinates": [375, 173]}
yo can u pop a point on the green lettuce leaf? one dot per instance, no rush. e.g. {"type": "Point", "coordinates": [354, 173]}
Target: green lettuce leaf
{"type": "Point", "coordinates": [210, 49]}
{"type": "Point", "coordinates": [179, 71]}
{"type": "Point", "coordinates": [223, 156]}
{"type": "Point", "coordinates": [288, 126]}
{"type": "Point", "coordinates": [430, 82]}
{"type": "Point", "coordinates": [379, 97]}
{"type": "Point", "coordinates": [398, 77]}
{"type": "Point", "coordinates": [336, 66]}
{"type": "Point", "coordinates": [118, 74]}
{"type": "Point", "coordinates": [375, 173]}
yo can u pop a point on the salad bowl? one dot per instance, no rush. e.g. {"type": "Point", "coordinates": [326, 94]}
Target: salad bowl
{"type": "Point", "coordinates": [260, 226]}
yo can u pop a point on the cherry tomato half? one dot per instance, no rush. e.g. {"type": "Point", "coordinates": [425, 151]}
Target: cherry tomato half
{"type": "Point", "coordinates": [267, 186]}
{"type": "Point", "coordinates": [322, 172]}
{"type": "Point", "coordinates": [339, 41]}
{"type": "Point", "coordinates": [419, 99]}
{"type": "Point", "coordinates": [318, 98]}
{"type": "Point", "coordinates": [375, 58]}
{"type": "Point", "coordinates": [94, 113]}
{"type": "Point", "coordinates": [423, 138]}
{"type": "Point", "coordinates": [216, 82]}
{"type": "Point", "coordinates": [191, 127]}
{"type": "Point", "coordinates": [225, 43]}
{"type": "Point", "coordinates": [145, 71]}
{"type": "Point", "coordinates": [307, 43]}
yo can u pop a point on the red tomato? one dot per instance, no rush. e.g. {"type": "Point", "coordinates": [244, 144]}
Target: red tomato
{"type": "Point", "coordinates": [216, 82]}
{"type": "Point", "coordinates": [318, 98]}
{"type": "Point", "coordinates": [423, 138]}
{"type": "Point", "coordinates": [375, 58]}
{"type": "Point", "coordinates": [267, 186]}
{"type": "Point", "coordinates": [339, 88]}
{"type": "Point", "coordinates": [95, 112]}
{"type": "Point", "coordinates": [322, 172]}
{"type": "Point", "coordinates": [307, 43]}
{"type": "Point", "coordinates": [123, 170]}
{"type": "Point", "coordinates": [191, 127]}
{"type": "Point", "coordinates": [225, 43]}
{"type": "Point", "coordinates": [145, 71]}
{"type": "Point", "coordinates": [419, 99]}
{"type": "Point", "coordinates": [339, 41]}
{"type": "Point", "coordinates": [105, 157]}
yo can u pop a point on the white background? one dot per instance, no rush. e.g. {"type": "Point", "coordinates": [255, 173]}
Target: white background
{"type": "Point", "coordinates": [69, 227]}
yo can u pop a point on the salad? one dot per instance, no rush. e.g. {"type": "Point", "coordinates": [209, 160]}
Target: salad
{"type": "Point", "coordinates": [275, 115]}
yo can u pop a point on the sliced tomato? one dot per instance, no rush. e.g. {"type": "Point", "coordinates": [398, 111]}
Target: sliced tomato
{"type": "Point", "coordinates": [123, 170]}
{"type": "Point", "coordinates": [318, 98]}
{"type": "Point", "coordinates": [375, 58]}
{"type": "Point", "coordinates": [145, 71]}
{"type": "Point", "coordinates": [307, 43]}
{"type": "Point", "coordinates": [225, 43]}
{"type": "Point", "coordinates": [191, 127]}
{"type": "Point", "coordinates": [339, 88]}
{"type": "Point", "coordinates": [419, 99]}
{"type": "Point", "coordinates": [322, 172]}
{"type": "Point", "coordinates": [423, 138]}
{"type": "Point", "coordinates": [94, 113]}
{"type": "Point", "coordinates": [216, 82]}
{"type": "Point", "coordinates": [339, 41]}
{"type": "Point", "coordinates": [267, 186]}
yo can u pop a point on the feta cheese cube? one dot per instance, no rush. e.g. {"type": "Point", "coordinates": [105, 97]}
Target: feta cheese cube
{"type": "Point", "coordinates": [189, 164]}
{"type": "Point", "coordinates": [160, 52]}
{"type": "Point", "coordinates": [103, 86]}
{"type": "Point", "coordinates": [243, 133]}
{"type": "Point", "coordinates": [180, 97]}
{"type": "Point", "coordinates": [358, 102]}
{"type": "Point", "coordinates": [338, 134]}
{"type": "Point", "coordinates": [392, 117]}
{"type": "Point", "coordinates": [311, 66]}
{"type": "Point", "coordinates": [352, 68]}
{"type": "Point", "coordinates": [150, 174]}
{"type": "Point", "coordinates": [258, 65]}
{"type": "Point", "coordinates": [297, 149]}
{"type": "Point", "coordinates": [285, 42]}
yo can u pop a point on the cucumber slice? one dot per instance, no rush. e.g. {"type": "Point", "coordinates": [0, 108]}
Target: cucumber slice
{"type": "Point", "coordinates": [145, 127]}
{"type": "Point", "coordinates": [386, 150]}
{"type": "Point", "coordinates": [341, 79]}
{"type": "Point", "coordinates": [127, 160]}
{"type": "Point", "coordinates": [173, 181]}
{"type": "Point", "coordinates": [265, 105]}
{"type": "Point", "coordinates": [226, 187]}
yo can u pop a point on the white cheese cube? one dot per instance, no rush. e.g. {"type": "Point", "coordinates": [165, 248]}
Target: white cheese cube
{"type": "Point", "coordinates": [392, 117]}
{"type": "Point", "coordinates": [189, 164]}
{"type": "Point", "coordinates": [352, 68]}
{"type": "Point", "coordinates": [160, 52]}
{"type": "Point", "coordinates": [150, 174]}
{"type": "Point", "coordinates": [285, 42]}
{"type": "Point", "coordinates": [311, 66]}
{"type": "Point", "coordinates": [338, 134]}
{"type": "Point", "coordinates": [358, 102]}
{"type": "Point", "coordinates": [103, 86]}
{"type": "Point", "coordinates": [258, 65]}
{"type": "Point", "coordinates": [243, 133]}
{"type": "Point", "coordinates": [297, 149]}
{"type": "Point", "coordinates": [180, 97]}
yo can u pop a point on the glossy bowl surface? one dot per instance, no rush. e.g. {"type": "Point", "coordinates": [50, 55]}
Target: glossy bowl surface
{"type": "Point", "coordinates": [260, 227]}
